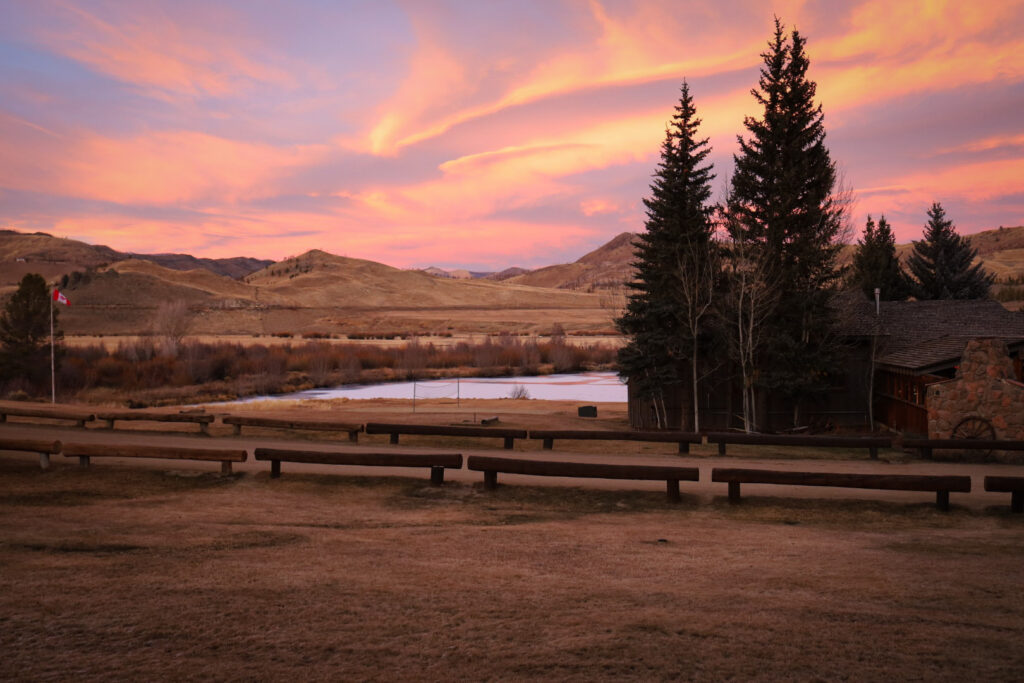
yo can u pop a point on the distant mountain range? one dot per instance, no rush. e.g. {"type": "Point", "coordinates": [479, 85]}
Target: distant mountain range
{"type": "Point", "coordinates": [117, 293]}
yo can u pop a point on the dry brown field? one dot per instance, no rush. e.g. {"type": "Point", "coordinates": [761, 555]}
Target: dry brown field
{"type": "Point", "coordinates": [133, 573]}
{"type": "Point", "coordinates": [161, 570]}
{"type": "Point", "coordinates": [112, 342]}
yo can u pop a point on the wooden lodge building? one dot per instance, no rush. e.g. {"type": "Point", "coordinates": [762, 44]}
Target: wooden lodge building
{"type": "Point", "coordinates": [914, 343]}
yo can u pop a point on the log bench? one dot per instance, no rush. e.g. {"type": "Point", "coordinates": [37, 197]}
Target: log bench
{"type": "Point", "coordinates": [926, 446]}
{"type": "Point", "coordinates": [85, 451]}
{"type": "Point", "coordinates": [77, 415]}
{"type": "Point", "coordinates": [239, 421]}
{"type": "Point", "coordinates": [941, 485]}
{"type": "Point", "coordinates": [872, 443]}
{"type": "Point", "coordinates": [110, 416]}
{"type": "Point", "coordinates": [509, 435]}
{"type": "Point", "coordinates": [684, 439]}
{"type": "Point", "coordinates": [44, 447]}
{"type": "Point", "coordinates": [1012, 485]}
{"type": "Point", "coordinates": [437, 462]}
{"type": "Point", "coordinates": [671, 474]}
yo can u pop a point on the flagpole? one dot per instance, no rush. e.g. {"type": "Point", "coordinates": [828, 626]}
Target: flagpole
{"type": "Point", "coordinates": [53, 366]}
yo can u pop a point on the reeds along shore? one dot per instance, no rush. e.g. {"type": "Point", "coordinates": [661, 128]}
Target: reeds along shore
{"type": "Point", "coordinates": [151, 373]}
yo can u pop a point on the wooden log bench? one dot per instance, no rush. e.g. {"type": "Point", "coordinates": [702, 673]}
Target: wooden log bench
{"type": "Point", "coordinates": [44, 447]}
{"type": "Point", "coordinates": [1012, 485]}
{"type": "Point", "coordinates": [111, 416]}
{"type": "Point", "coordinates": [941, 485]}
{"type": "Point", "coordinates": [85, 451]}
{"type": "Point", "coordinates": [77, 415]}
{"type": "Point", "coordinates": [239, 421]}
{"type": "Point", "coordinates": [437, 462]}
{"type": "Point", "coordinates": [684, 439]}
{"type": "Point", "coordinates": [871, 443]}
{"type": "Point", "coordinates": [509, 435]}
{"type": "Point", "coordinates": [671, 474]}
{"type": "Point", "coordinates": [926, 446]}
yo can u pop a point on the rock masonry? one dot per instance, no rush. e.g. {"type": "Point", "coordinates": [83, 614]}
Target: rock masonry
{"type": "Point", "coordinates": [984, 387]}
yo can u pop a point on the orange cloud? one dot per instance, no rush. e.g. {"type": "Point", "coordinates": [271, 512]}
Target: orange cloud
{"type": "Point", "coordinates": [149, 49]}
{"type": "Point", "coordinates": [175, 167]}
{"type": "Point", "coordinates": [638, 48]}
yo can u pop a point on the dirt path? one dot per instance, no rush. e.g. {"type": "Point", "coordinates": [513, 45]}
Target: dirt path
{"type": "Point", "coordinates": [703, 490]}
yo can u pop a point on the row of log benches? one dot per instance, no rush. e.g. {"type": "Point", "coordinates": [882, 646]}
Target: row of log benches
{"type": "Point", "coordinates": [941, 485]}
{"type": "Point", "coordinates": [548, 437]}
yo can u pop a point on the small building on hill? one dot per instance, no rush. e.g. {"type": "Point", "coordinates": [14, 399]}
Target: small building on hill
{"type": "Point", "coordinates": [892, 354]}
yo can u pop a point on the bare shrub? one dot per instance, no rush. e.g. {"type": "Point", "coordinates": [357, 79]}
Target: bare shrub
{"type": "Point", "coordinates": [171, 325]}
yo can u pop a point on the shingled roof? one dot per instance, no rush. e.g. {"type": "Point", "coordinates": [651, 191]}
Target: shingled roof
{"type": "Point", "coordinates": [921, 336]}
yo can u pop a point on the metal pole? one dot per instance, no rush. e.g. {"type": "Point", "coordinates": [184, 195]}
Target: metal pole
{"type": "Point", "coordinates": [53, 365]}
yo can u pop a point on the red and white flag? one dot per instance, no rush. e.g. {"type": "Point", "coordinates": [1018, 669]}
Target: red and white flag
{"type": "Point", "coordinates": [60, 298]}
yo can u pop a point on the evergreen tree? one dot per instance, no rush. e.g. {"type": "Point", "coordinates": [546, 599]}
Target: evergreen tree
{"type": "Point", "coordinates": [784, 201]}
{"type": "Point", "coordinates": [25, 332]}
{"type": "Point", "coordinates": [875, 264]}
{"type": "Point", "coordinates": [941, 263]}
{"type": "Point", "coordinates": [678, 236]}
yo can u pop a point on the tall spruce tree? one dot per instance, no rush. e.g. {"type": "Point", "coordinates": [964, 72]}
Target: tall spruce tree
{"type": "Point", "coordinates": [876, 265]}
{"type": "Point", "coordinates": [784, 198]}
{"type": "Point", "coordinates": [941, 263]}
{"type": "Point", "coordinates": [678, 236]}
{"type": "Point", "coordinates": [25, 332]}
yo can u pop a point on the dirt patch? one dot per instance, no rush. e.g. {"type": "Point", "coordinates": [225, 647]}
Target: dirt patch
{"type": "Point", "coordinates": [334, 577]}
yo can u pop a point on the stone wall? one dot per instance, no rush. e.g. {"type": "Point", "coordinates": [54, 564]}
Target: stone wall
{"type": "Point", "coordinates": [984, 387]}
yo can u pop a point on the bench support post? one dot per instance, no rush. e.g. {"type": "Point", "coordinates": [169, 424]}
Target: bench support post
{"type": "Point", "coordinates": [490, 480]}
{"type": "Point", "coordinates": [672, 487]}
{"type": "Point", "coordinates": [238, 430]}
{"type": "Point", "coordinates": [80, 423]}
{"type": "Point", "coordinates": [1017, 501]}
{"type": "Point", "coordinates": [394, 438]}
{"type": "Point", "coordinates": [353, 436]}
{"type": "Point", "coordinates": [275, 469]}
{"type": "Point", "coordinates": [926, 453]}
{"type": "Point", "coordinates": [110, 424]}
{"type": "Point", "coordinates": [684, 447]}
{"type": "Point", "coordinates": [83, 461]}
{"type": "Point", "coordinates": [225, 467]}
{"type": "Point", "coordinates": [721, 448]}
{"type": "Point", "coordinates": [3, 417]}
{"type": "Point", "coordinates": [942, 500]}
{"type": "Point", "coordinates": [549, 444]}
{"type": "Point", "coordinates": [734, 492]}
{"type": "Point", "coordinates": [874, 452]}
{"type": "Point", "coordinates": [203, 429]}
{"type": "Point", "coordinates": [44, 461]}
{"type": "Point", "coordinates": [436, 476]}
{"type": "Point", "coordinates": [509, 442]}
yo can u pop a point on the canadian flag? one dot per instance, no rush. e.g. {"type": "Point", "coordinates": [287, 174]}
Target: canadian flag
{"type": "Point", "coordinates": [60, 298]}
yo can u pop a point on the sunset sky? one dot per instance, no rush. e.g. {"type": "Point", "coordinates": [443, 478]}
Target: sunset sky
{"type": "Point", "coordinates": [478, 134]}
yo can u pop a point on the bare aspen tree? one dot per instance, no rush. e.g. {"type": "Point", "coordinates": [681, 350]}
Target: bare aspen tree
{"type": "Point", "coordinates": [171, 325]}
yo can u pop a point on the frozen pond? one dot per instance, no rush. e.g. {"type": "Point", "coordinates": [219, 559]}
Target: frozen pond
{"type": "Point", "coordinates": [592, 387]}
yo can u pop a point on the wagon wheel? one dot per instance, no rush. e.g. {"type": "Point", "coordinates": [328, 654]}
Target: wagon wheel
{"type": "Point", "coordinates": [975, 428]}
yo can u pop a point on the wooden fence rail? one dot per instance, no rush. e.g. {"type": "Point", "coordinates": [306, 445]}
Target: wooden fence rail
{"type": "Point", "coordinates": [684, 439]}
{"type": "Point", "coordinates": [85, 451]}
{"type": "Point", "coordinates": [437, 462]}
{"type": "Point", "coordinates": [941, 485]}
{"type": "Point", "coordinates": [44, 447]}
{"type": "Point", "coordinates": [671, 474]}
{"type": "Point", "coordinates": [509, 435]}
{"type": "Point", "coordinates": [871, 443]}
{"type": "Point", "coordinates": [240, 421]}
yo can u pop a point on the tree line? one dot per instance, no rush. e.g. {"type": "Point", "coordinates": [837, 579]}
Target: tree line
{"type": "Point", "coordinates": [750, 281]}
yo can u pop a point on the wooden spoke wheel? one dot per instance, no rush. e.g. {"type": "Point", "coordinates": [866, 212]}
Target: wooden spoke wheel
{"type": "Point", "coordinates": [975, 428]}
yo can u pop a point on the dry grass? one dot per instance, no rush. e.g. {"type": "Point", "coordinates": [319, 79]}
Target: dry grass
{"type": "Point", "coordinates": [143, 574]}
